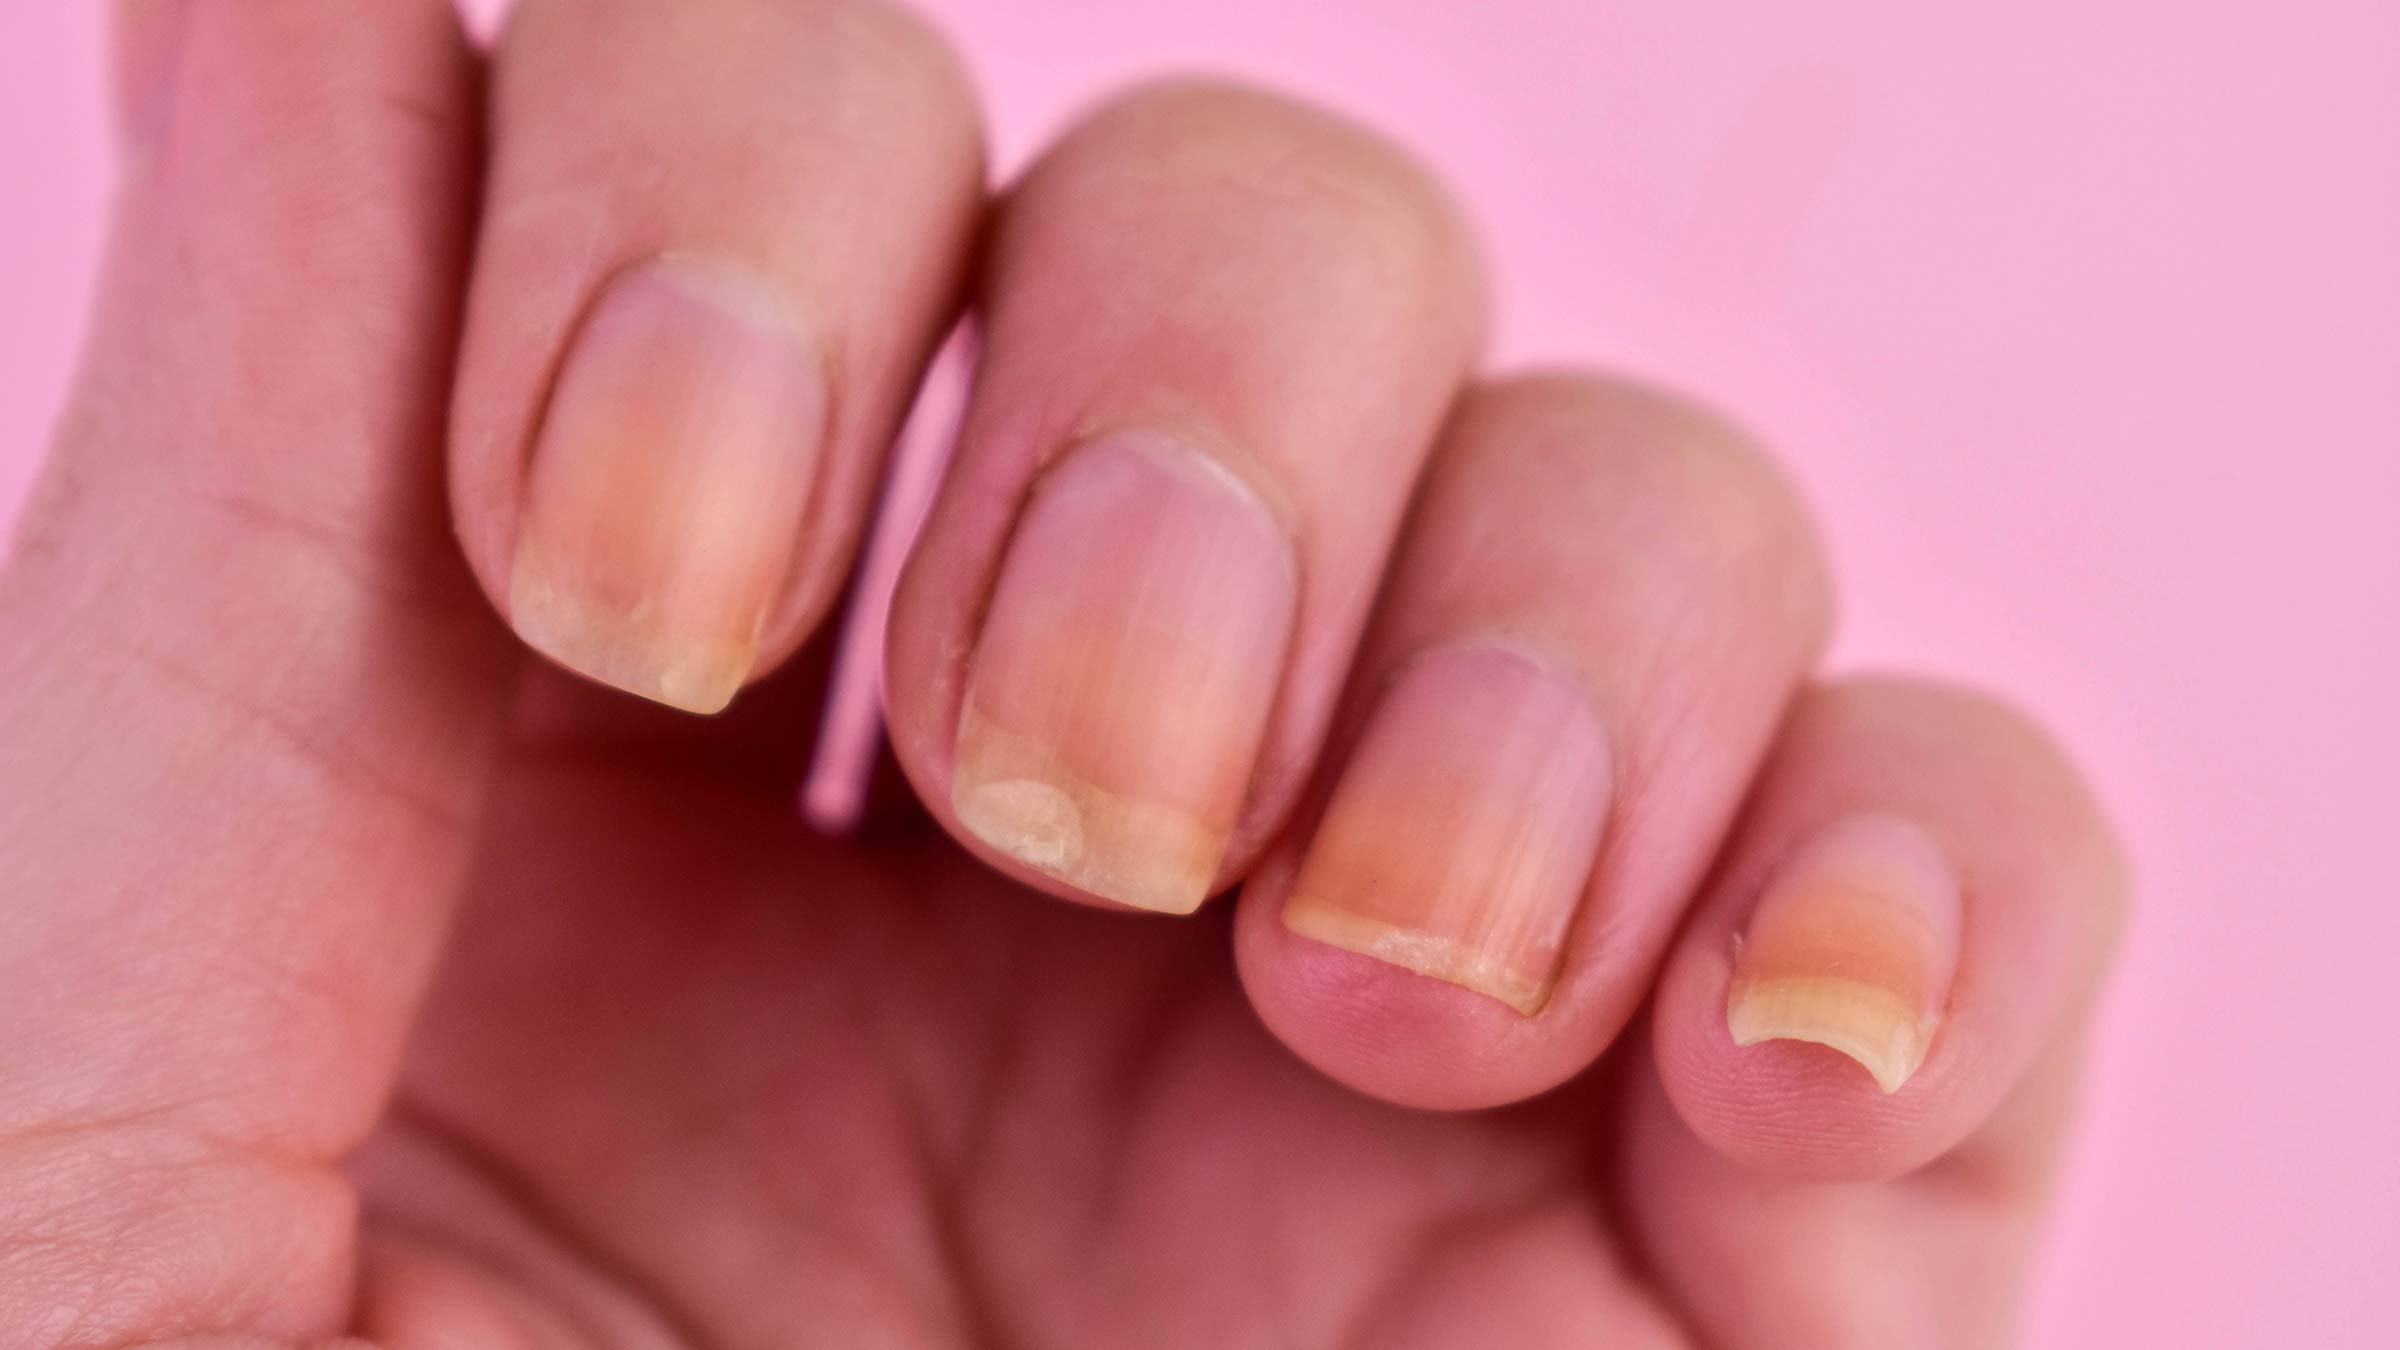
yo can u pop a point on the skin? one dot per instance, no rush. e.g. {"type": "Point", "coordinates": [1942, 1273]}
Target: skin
{"type": "Point", "coordinates": [366, 977]}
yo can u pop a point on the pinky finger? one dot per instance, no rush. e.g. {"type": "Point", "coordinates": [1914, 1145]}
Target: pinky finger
{"type": "Point", "coordinates": [1916, 909]}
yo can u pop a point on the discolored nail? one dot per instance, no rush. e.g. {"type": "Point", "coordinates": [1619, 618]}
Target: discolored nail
{"type": "Point", "coordinates": [1461, 833]}
{"type": "Point", "coordinates": [1120, 687]}
{"type": "Point", "coordinates": [674, 465]}
{"type": "Point", "coordinates": [1852, 946]}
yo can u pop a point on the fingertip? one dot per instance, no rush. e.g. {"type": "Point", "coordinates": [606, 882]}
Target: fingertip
{"type": "Point", "coordinates": [1790, 1104]}
{"type": "Point", "coordinates": [1377, 1028]}
{"type": "Point", "coordinates": [1908, 922]}
{"type": "Point", "coordinates": [1406, 1036]}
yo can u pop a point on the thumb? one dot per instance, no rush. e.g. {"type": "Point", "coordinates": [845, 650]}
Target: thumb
{"type": "Point", "coordinates": [251, 694]}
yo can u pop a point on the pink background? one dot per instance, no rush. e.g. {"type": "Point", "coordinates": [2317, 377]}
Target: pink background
{"type": "Point", "coordinates": [2081, 321]}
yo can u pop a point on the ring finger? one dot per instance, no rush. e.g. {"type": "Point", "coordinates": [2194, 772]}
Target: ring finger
{"type": "Point", "coordinates": [1604, 601]}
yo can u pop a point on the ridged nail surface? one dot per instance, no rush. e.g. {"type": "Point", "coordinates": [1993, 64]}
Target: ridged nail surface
{"type": "Point", "coordinates": [1461, 832]}
{"type": "Point", "coordinates": [1852, 946]}
{"type": "Point", "coordinates": [1120, 686]}
{"type": "Point", "coordinates": [664, 499]}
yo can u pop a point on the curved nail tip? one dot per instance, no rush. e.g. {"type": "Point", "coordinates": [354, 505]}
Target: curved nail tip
{"type": "Point", "coordinates": [1042, 826]}
{"type": "Point", "coordinates": [1867, 1025]}
{"type": "Point", "coordinates": [1889, 1065]}
{"type": "Point", "coordinates": [697, 678]}
{"type": "Point", "coordinates": [1437, 958]}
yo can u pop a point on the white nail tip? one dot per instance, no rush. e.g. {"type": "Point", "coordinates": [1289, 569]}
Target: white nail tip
{"type": "Point", "coordinates": [1867, 1024]}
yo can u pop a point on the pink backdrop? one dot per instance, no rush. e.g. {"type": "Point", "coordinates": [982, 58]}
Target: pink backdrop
{"type": "Point", "coordinates": [2082, 323]}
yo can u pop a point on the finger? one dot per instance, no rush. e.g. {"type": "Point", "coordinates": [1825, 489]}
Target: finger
{"type": "Point", "coordinates": [1921, 898]}
{"type": "Point", "coordinates": [1220, 331]}
{"type": "Point", "coordinates": [1728, 1218]}
{"type": "Point", "coordinates": [700, 303]}
{"type": "Point", "coordinates": [1936, 1258]}
{"type": "Point", "coordinates": [251, 691]}
{"type": "Point", "coordinates": [1601, 606]}
{"type": "Point", "coordinates": [1548, 1276]}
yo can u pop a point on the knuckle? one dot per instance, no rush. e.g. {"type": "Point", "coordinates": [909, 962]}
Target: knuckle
{"type": "Point", "coordinates": [2026, 769]}
{"type": "Point", "coordinates": [865, 57]}
{"type": "Point", "coordinates": [1672, 479]}
{"type": "Point", "coordinates": [1327, 193]}
{"type": "Point", "coordinates": [894, 47]}
{"type": "Point", "coordinates": [1977, 721]}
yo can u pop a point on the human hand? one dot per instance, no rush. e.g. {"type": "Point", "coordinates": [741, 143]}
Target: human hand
{"type": "Point", "coordinates": [1241, 574]}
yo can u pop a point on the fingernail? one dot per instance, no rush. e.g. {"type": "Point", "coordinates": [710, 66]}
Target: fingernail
{"type": "Point", "coordinates": [1460, 835]}
{"type": "Point", "coordinates": [668, 482]}
{"type": "Point", "coordinates": [1119, 690]}
{"type": "Point", "coordinates": [1852, 946]}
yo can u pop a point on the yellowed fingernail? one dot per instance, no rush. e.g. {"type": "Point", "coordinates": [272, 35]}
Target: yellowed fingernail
{"type": "Point", "coordinates": [1119, 690]}
{"type": "Point", "coordinates": [668, 484]}
{"type": "Point", "coordinates": [1462, 830]}
{"type": "Point", "coordinates": [1852, 946]}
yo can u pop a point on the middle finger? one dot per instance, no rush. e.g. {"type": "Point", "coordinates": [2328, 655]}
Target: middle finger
{"type": "Point", "coordinates": [1222, 329]}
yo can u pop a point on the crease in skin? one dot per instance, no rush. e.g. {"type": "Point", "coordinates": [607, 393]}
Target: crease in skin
{"type": "Point", "coordinates": [1870, 1025]}
{"type": "Point", "coordinates": [1453, 960]}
